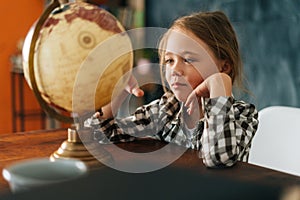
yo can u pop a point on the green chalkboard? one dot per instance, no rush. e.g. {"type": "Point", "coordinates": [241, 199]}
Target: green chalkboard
{"type": "Point", "coordinates": [269, 36]}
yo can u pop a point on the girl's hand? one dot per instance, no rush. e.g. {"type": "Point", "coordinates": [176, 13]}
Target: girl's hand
{"type": "Point", "coordinates": [110, 109]}
{"type": "Point", "coordinates": [133, 87]}
{"type": "Point", "coordinates": [218, 84]}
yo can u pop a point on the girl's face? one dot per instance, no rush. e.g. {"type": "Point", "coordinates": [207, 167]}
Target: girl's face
{"type": "Point", "coordinates": [188, 62]}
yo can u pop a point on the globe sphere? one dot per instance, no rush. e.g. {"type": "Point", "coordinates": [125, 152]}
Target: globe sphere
{"type": "Point", "coordinates": [66, 40]}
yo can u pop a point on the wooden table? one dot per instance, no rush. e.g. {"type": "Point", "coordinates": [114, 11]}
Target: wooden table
{"type": "Point", "coordinates": [18, 146]}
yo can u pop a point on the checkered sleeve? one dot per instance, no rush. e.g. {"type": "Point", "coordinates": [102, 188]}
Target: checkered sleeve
{"type": "Point", "coordinates": [229, 128]}
{"type": "Point", "coordinates": [147, 120]}
{"type": "Point", "coordinates": [139, 124]}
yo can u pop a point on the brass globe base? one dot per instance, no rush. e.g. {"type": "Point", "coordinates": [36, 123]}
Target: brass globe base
{"type": "Point", "coordinates": [74, 148]}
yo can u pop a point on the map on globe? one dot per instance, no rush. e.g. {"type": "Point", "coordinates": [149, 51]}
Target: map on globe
{"type": "Point", "coordinates": [83, 48]}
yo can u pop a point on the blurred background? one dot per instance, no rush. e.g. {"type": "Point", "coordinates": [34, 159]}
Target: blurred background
{"type": "Point", "coordinates": [268, 33]}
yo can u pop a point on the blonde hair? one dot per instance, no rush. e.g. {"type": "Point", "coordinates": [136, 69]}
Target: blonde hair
{"type": "Point", "coordinates": [215, 29]}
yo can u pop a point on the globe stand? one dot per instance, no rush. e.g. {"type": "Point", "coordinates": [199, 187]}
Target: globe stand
{"type": "Point", "coordinates": [81, 148]}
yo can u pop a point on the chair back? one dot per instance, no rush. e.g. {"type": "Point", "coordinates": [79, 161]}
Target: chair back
{"type": "Point", "coordinates": [276, 144]}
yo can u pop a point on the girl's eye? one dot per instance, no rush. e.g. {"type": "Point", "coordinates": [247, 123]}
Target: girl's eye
{"type": "Point", "coordinates": [168, 61]}
{"type": "Point", "coordinates": [189, 60]}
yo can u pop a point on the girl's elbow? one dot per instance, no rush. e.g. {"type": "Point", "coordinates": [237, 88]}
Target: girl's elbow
{"type": "Point", "coordinates": [219, 160]}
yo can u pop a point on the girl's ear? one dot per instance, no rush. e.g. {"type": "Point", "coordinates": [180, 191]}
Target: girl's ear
{"type": "Point", "coordinates": [226, 67]}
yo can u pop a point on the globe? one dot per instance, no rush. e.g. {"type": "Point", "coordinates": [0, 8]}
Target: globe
{"type": "Point", "coordinates": [76, 37]}
{"type": "Point", "coordinates": [75, 58]}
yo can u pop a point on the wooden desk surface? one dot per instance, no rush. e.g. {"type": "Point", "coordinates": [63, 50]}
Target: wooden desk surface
{"type": "Point", "coordinates": [18, 146]}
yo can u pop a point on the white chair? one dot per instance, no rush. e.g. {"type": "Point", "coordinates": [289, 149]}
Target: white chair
{"type": "Point", "coordinates": [276, 144]}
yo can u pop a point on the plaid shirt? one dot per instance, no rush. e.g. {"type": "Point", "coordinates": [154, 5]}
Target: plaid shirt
{"type": "Point", "coordinates": [222, 137]}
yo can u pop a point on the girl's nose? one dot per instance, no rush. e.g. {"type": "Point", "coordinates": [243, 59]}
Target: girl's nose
{"type": "Point", "coordinates": [177, 68]}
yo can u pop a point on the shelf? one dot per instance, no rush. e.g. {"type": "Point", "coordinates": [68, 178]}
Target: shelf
{"type": "Point", "coordinates": [19, 112]}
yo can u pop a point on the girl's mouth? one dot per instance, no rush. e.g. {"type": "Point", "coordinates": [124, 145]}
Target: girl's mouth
{"type": "Point", "coordinates": [178, 84]}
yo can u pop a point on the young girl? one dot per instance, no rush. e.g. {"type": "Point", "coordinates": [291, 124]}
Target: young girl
{"type": "Point", "coordinates": [200, 62]}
